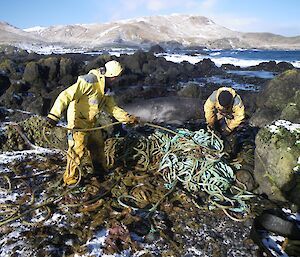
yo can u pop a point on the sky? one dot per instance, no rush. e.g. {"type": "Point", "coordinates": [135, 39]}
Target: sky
{"type": "Point", "coordinates": [275, 16]}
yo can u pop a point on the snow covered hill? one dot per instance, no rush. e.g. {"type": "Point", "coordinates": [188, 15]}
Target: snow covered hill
{"type": "Point", "coordinates": [169, 31]}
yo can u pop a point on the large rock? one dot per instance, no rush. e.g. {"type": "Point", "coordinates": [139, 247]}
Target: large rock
{"type": "Point", "coordinates": [156, 49]}
{"type": "Point", "coordinates": [34, 74]}
{"type": "Point", "coordinates": [33, 130]}
{"type": "Point", "coordinates": [52, 67]}
{"type": "Point", "coordinates": [279, 100]}
{"type": "Point", "coordinates": [273, 66]}
{"type": "Point", "coordinates": [10, 68]}
{"type": "Point", "coordinates": [277, 161]}
{"type": "Point", "coordinates": [15, 94]}
{"type": "Point", "coordinates": [4, 84]}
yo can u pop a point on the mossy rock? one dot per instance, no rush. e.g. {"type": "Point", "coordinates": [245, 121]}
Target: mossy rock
{"type": "Point", "coordinates": [10, 68]}
{"type": "Point", "coordinates": [66, 67]}
{"type": "Point", "coordinates": [280, 98]}
{"type": "Point", "coordinates": [33, 129]}
{"type": "Point", "coordinates": [280, 90]}
{"type": "Point", "coordinates": [276, 161]}
{"type": "Point", "coordinates": [290, 112]}
{"type": "Point", "coordinates": [52, 65]}
{"type": "Point", "coordinates": [33, 73]}
{"type": "Point", "coordinates": [191, 90]}
{"type": "Point", "coordinates": [4, 84]}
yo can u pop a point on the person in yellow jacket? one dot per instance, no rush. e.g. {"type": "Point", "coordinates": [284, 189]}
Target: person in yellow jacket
{"type": "Point", "coordinates": [84, 100]}
{"type": "Point", "coordinates": [224, 110]}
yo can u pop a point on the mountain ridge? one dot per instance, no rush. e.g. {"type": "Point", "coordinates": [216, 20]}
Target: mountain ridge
{"type": "Point", "coordinates": [169, 30]}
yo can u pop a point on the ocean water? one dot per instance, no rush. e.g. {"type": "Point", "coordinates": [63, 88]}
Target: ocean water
{"type": "Point", "coordinates": [239, 57]}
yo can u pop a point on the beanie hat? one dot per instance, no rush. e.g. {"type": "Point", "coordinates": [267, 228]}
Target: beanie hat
{"type": "Point", "coordinates": [225, 98]}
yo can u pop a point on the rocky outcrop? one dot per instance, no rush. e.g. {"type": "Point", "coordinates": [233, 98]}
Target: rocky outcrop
{"type": "Point", "coordinates": [273, 66]}
{"type": "Point", "coordinates": [156, 49]}
{"type": "Point", "coordinates": [4, 83]}
{"type": "Point", "coordinates": [32, 130]}
{"type": "Point", "coordinates": [277, 161]}
{"type": "Point", "coordinates": [279, 100]}
{"type": "Point", "coordinates": [36, 80]}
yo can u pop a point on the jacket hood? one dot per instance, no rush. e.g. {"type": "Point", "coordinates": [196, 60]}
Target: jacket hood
{"type": "Point", "coordinates": [100, 78]}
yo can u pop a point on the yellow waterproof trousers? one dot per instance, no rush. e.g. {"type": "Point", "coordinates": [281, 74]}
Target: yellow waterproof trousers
{"type": "Point", "coordinates": [85, 150]}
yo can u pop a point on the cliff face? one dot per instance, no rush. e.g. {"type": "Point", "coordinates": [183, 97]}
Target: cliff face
{"type": "Point", "coordinates": [185, 30]}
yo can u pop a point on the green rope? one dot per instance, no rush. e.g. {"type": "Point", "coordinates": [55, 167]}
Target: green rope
{"type": "Point", "coordinates": [195, 160]}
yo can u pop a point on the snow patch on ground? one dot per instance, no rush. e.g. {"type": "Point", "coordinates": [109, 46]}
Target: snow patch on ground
{"type": "Point", "coordinates": [8, 157]}
{"type": "Point", "coordinates": [292, 127]}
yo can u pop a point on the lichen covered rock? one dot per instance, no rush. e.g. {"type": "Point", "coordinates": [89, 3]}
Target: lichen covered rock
{"type": "Point", "coordinates": [279, 100]}
{"type": "Point", "coordinates": [277, 161]}
{"type": "Point", "coordinates": [33, 129]}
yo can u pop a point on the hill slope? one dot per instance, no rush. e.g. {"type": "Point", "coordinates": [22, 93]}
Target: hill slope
{"type": "Point", "coordinates": [180, 30]}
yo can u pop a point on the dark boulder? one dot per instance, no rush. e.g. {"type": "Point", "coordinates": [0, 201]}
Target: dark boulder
{"type": "Point", "coordinates": [156, 49]}
{"type": "Point", "coordinates": [206, 67]}
{"type": "Point", "coordinates": [34, 74]}
{"type": "Point", "coordinates": [228, 66]}
{"type": "Point", "coordinates": [67, 71]}
{"type": "Point", "coordinates": [279, 100]}
{"type": "Point", "coordinates": [134, 63]}
{"type": "Point", "coordinates": [273, 66]}
{"type": "Point", "coordinates": [66, 67]}
{"type": "Point", "coordinates": [51, 65]}
{"type": "Point", "coordinates": [283, 66]}
{"type": "Point", "coordinates": [10, 68]}
{"type": "Point", "coordinates": [4, 84]}
{"type": "Point", "coordinates": [97, 62]}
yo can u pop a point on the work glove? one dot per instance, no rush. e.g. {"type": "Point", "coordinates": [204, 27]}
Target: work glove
{"type": "Point", "coordinates": [49, 123]}
{"type": "Point", "coordinates": [224, 130]}
{"type": "Point", "coordinates": [133, 120]}
{"type": "Point", "coordinates": [210, 126]}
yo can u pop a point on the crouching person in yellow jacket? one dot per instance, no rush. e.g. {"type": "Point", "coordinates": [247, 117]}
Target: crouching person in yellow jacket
{"type": "Point", "coordinates": [224, 111]}
{"type": "Point", "coordinates": [83, 101]}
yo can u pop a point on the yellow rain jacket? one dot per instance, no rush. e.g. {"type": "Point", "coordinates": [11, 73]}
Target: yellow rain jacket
{"type": "Point", "coordinates": [215, 112]}
{"type": "Point", "coordinates": [84, 100]}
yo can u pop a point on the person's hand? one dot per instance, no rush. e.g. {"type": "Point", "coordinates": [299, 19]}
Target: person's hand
{"type": "Point", "coordinates": [49, 123]}
{"type": "Point", "coordinates": [133, 120]}
{"type": "Point", "coordinates": [225, 132]}
{"type": "Point", "coordinates": [210, 126]}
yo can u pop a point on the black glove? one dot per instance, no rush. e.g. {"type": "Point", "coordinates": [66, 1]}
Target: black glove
{"type": "Point", "coordinates": [49, 123]}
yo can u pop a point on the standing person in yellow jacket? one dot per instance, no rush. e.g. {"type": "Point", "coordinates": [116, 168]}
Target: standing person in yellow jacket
{"type": "Point", "coordinates": [83, 101]}
{"type": "Point", "coordinates": [225, 112]}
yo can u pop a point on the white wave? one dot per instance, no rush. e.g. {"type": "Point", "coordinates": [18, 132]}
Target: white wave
{"type": "Point", "coordinates": [181, 57]}
{"type": "Point", "coordinates": [177, 58]}
{"type": "Point", "coordinates": [236, 61]}
{"type": "Point", "coordinates": [215, 54]}
{"type": "Point", "coordinates": [296, 64]}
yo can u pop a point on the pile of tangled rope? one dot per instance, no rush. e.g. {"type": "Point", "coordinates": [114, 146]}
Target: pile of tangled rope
{"type": "Point", "coordinates": [193, 159]}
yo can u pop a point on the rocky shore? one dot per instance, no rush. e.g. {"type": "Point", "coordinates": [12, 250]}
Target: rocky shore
{"type": "Point", "coordinates": [165, 93]}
